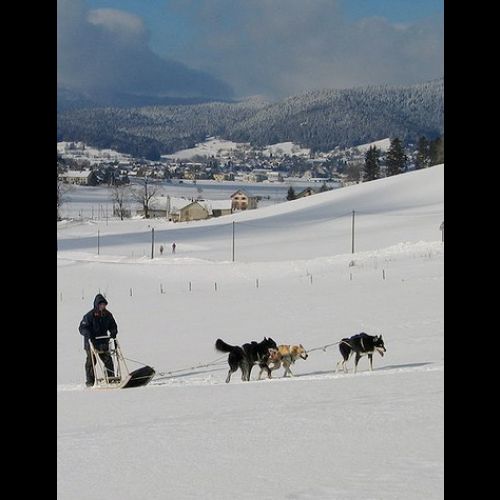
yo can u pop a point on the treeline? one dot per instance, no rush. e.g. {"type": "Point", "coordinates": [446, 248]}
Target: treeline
{"type": "Point", "coordinates": [429, 153]}
{"type": "Point", "coordinates": [319, 120]}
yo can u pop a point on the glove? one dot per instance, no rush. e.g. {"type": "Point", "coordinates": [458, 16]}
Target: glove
{"type": "Point", "coordinates": [113, 335]}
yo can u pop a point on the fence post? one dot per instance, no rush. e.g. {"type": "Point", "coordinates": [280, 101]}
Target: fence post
{"type": "Point", "coordinates": [352, 232]}
{"type": "Point", "coordinates": [233, 240]}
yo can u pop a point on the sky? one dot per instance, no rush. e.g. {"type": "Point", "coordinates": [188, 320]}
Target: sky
{"type": "Point", "coordinates": [239, 48]}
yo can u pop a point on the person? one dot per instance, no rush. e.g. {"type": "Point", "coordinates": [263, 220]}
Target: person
{"type": "Point", "coordinates": [94, 327]}
{"type": "Point", "coordinates": [173, 247]}
{"type": "Point", "coordinates": [161, 249]}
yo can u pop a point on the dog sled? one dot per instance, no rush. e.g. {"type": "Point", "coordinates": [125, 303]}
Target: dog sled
{"type": "Point", "coordinates": [123, 378]}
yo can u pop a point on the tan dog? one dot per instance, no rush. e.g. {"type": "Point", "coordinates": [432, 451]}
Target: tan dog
{"type": "Point", "coordinates": [286, 355]}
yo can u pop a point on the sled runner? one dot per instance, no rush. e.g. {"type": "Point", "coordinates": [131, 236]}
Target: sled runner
{"type": "Point", "coordinates": [123, 378]}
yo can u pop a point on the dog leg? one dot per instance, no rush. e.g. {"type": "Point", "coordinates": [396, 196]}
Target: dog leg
{"type": "Point", "coordinates": [356, 361]}
{"type": "Point", "coordinates": [249, 372]}
{"type": "Point", "coordinates": [370, 357]}
{"type": "Point", "coordinates": [228, 378]}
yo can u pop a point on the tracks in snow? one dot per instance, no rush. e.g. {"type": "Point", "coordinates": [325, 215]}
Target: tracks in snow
{"type": "Point", "coordinates": [194, 379]}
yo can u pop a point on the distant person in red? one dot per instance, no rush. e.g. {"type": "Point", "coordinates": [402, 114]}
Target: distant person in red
{"type": "Point", "coordinates": [173, 247]}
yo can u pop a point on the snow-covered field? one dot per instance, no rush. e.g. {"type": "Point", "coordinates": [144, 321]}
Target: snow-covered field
{"type": "Point", "coordinates": [321, 435]}
{"type": "Point", "coordinates": [383, 145]}
{"type": "Point", "coordinates": [210, 147]}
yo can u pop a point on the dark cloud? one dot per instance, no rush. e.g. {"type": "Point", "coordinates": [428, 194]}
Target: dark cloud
{"type": "Point", "coordinates": [285, 47]}
{"type": "Point", "coordinates": [106, 51]}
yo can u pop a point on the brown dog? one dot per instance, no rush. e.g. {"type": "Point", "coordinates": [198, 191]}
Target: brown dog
{"type": "Point", "coordinates": [286, 355]}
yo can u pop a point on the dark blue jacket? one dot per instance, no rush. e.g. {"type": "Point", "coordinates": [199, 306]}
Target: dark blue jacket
{"type": "Point", "coordinates": [96, 324]}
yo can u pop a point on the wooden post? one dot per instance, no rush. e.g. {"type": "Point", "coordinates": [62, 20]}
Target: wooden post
{"type": "Point", "coordinates": [233, 240]}
{"type": "Point", "coordinates": [352, 233]}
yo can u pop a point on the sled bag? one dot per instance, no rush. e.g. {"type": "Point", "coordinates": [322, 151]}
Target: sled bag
{"type": "Point", "coordinates": [141, 376]}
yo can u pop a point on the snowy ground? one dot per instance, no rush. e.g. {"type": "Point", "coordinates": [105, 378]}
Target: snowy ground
{"type": "Point", "coordinates": [321, 435]}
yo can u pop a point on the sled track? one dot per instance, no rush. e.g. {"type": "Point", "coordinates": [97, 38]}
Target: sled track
{"type": "Point", "coordinates": [211, 379]}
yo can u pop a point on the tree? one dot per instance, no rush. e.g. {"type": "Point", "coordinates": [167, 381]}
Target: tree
{"type": "Point", "coordinates": [372, 164]}
{"type": "Point", "coordinates": [353, 171]}
{"type": "Point", "coordinates": [436, 151]}
{"type": "Point", "coordinates": [144, 195]}
{"type": "Point", "coordinates": [291, 194]}
{"type": "Point", "coordinates": [423, 154]}
{"type": "Point", "coordinates": [396, 159]}
{"type": "Point", "coordinates": [120, 196]}
{"type": "Point", "coordinates": [62, 190]}
{"type": "Point", "coordinates": [60, 200]}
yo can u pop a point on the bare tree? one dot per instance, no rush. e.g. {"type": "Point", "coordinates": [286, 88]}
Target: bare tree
{"type": "Point", "coordinates": [120, 196]}
{"type": "Point", "coordinates": [354, 171]}
{"type": "Point", "coordinates": [62, 190]}
{"type": "Point", "coordinates": [60, 199]}
{"type": "Point", "coordinates": [144, 195]}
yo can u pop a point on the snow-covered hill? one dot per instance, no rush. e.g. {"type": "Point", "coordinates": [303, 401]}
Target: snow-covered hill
{"type": "Point", "coordinates": [319, 435]}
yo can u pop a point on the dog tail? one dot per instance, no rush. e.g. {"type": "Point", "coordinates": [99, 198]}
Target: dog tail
{"type": "Point", "coordinates": [221, 346]}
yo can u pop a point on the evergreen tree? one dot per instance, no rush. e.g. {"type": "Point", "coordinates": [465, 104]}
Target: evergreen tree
{"type": "Point", "coordinates": [372, 164]}
{"type": "Point", "coordinates": [291, 194]}
{"type": "Point", "coordinates": [436, 151]}
{"type": "Point", "coordinates": [423, 154]}
{"type": "Point", "coordinates": [396, 160]}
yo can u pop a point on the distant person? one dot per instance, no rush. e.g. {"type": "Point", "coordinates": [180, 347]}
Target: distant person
{"type": "Point", "coordinates": [94, 327]}
{"type": "Point", "coordinates": [173, 247]}
{"type": "Point", "coordinates": [161, 249]}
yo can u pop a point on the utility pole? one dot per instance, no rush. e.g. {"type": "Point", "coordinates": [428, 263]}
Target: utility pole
{"type": "Point", "coordinates": [97, 241]}
{"type": "Point", "coordinates": [352, 233]}
{"type": "Point", "coordinates": [233, 240]}
{"type": "Point", "coordinates": [152, 242]}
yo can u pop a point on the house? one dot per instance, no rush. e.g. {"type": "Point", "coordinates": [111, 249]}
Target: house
{"type": "Point", "coordinates": [83, 177]}
{"type": "Point", "coordinates": [217, 208]}
{"type": "Point", "coordinates": [242, 200]}
{"type": "Point", "coordinates": [193, 211]}
{"type": "Point", "coordinates": [224, 177]}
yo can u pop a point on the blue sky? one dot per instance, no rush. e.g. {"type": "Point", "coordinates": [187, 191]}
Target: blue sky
{"type": "Point", "coordinates": [238, 48]}
{"type": "Point", "coordinates": [168, 27]}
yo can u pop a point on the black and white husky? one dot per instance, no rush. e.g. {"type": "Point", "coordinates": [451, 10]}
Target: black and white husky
{"type": "Point", "coordinates": [246, 356]}
{"type": "Point", "coordinates": [361, 344]}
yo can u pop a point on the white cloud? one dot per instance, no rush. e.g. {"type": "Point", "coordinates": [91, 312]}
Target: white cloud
{"type": "Point", "coordinates": [106, 52]}
{"type": "Point", "coordinates": [284, 47]}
